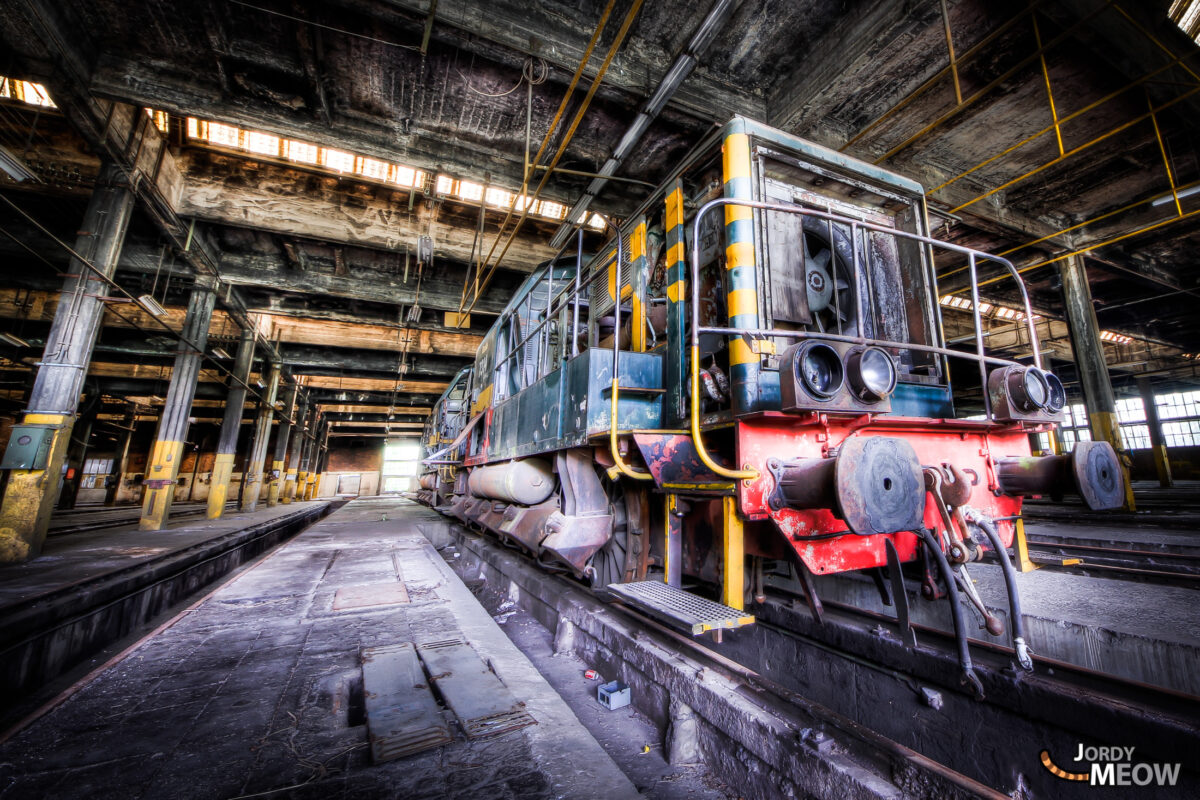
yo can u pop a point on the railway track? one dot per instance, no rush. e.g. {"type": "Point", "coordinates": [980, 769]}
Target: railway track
{"type": "Point", "coordinates": [1177, 566]}
{"type": "Point", "coordinates": [90, 519]}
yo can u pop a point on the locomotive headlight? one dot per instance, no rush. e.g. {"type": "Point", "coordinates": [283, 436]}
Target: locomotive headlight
{"type": "Point", "coordinates": [1057, 396]}
{"type": "Point", "coordinates": [1028, 388]}
{"type": "Point", "coordinates": [871, 373]}
{"type": "Point", "coordinates": [820, 369]}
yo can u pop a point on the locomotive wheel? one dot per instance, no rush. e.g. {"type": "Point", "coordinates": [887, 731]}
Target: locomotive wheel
{"type": "Point", "coordinates": [623, 558]}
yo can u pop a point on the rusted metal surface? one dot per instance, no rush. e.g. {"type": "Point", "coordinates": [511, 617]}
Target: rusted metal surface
{"type": "Point", "coordinates": [402, 715]}
{"type": "Point", "coordinates": [674, 463]}
{"type": "Point", "coordinates": [482, 704]}
{"type": "Point", "coordinates": [1092, 471]}
{"type": "Point", "coordinates": [784, 438]}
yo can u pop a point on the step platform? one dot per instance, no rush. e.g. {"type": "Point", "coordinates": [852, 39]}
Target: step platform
{"type": "Point", "coordinates": [679, 609]}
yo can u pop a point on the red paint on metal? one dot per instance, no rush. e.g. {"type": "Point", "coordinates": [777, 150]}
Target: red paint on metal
{"type": "Point", "coordinates": [972, 448]}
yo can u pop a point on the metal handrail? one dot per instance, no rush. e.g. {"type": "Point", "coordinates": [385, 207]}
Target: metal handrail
{"type": "Point", "coordinates": [855, 225]}
{"type": "Point", "coordinates": [616, 366]}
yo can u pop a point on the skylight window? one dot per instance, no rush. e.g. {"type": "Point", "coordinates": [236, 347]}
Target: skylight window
{"type": "Point", "coordinates": [266, 144]}
{"type": "Point", "coordinates": [302, 152]}
{"type": "Point", "coordinates": [370, 168]}
{"type": "Point", "coordinates": [985, 309]}
{"type": "Point", "coordinates": [161, 119]}
{"type": "Point", "coordinates": [339, 160]}
{"type": "Point", "coordinates": [1115, 338]}
{"type": "Point", "coordinates": [27, 92]}
{"type": "Point", "coordinates": [405, 176]}
{"type": "Point", "coordinates": [470, 191]}
{"type": "Point", "coordinates": [225, 135]}
{"type": "Point", "coordinates": [1186, 14]}
{"type": "Point", "coordinates": [262, 143]}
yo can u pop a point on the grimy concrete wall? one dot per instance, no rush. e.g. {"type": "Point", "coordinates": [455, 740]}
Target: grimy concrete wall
{"type": "Point", "coordinates": [349, 458]}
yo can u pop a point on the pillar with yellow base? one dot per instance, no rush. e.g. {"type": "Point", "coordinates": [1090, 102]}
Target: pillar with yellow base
{"type": "Point", "coordinates": [1088, 349]}
{"type": "Point", "coordinates": [288, 493]}
{"type": "Point", "coordinates": [30, 494]}
{"type": "Point", "coordinates": [282, 436]}
{"type": "Point", "coordinates": [231, 425]}
{"type": "Point", "coordinates": [162, 468]}
{"type": "Point", "coordinates": [1158, 445]}
{"type": "Point", "coordinates": [252, 480]}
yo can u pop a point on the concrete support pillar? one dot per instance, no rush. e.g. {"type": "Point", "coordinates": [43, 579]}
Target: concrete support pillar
{"type": "Point", "coordinates": [252, 480]}
{"type": "Point", "coordinates": [683, 735]}
{"type": "Point", "coordinates": [121, 455]}
{"type": "Point", "coordinates": [281, 442]}
{"type": "Point", "coordinates": [30, 494]}
{"type": "Point", "coordinates": [306, 446]}
{"type": "Point", "coordinates": [1089, 360]}
{"type": "Point", "coordinates": [231, 425]}
{"type": "Point", "coordinates": [288, 493]}
{"type": "Point", "coordinates": [166, 454]}
{"type": "Point", "coordinates": [318, 472]}
{"type": "Point", "coordinates": [1158, 446]}
{"type": "Point", "coordinates": [77, 453]}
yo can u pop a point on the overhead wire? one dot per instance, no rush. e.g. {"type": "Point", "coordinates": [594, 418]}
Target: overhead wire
{"type": "Point", "coordinates": [618, 41]}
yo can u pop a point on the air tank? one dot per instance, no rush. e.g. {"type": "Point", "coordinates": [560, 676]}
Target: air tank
{"type": "Point", "coordinates": [526, 482]}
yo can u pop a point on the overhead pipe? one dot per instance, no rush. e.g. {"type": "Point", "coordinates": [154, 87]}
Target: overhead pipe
{"type": "Point", "coordinates": [678, 72]}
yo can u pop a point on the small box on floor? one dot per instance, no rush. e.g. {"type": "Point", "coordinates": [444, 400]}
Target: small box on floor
{"type": "Point", "coordinates": [613, 695]}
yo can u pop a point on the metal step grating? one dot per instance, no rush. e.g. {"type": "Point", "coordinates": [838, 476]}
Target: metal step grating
{"type": "Point", "coordinates": [678, 608]}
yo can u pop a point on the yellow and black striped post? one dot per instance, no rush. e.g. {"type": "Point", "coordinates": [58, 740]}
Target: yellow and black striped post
{"type": "Point", "coordinates": [639, 278]}
{"type": "Point", "coordinates": [675, 372]}
{"type": "Point", "coordinates": [741, 275]}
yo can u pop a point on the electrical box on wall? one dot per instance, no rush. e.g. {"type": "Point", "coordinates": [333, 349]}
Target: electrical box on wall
{"type": "Point", "coordinates": [29, 447]}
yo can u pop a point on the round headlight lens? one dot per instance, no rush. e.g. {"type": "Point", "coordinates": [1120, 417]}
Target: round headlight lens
{"type": "Point", "coordinates": [820, 369]}
{"type": "Point", "coordinates": [1037, 391]}
{"type": "Point", "coordinates": [1057, 397]}
{"type": "Point", "coordinates": [872, 374]}
{"type": "Point", "coordinates": [1028, 389]}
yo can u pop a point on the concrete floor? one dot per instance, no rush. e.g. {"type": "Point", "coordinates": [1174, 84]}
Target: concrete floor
{"type": "Point", "coordinates": [74, 559]}
{"type": "Point", "coordinates": [256, 691]}
{"type": "Point", "coordinates": [632, 740]}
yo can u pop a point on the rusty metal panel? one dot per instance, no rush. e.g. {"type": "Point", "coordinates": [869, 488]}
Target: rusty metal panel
{"type": "Point", "coordinates": [370, 594]}
{"type": "Point", "coordinates": [402, 715]}
{"type": "Point", "coordinates": [483, 705]}
{"type": "Point", "coordinates": [674, 463]}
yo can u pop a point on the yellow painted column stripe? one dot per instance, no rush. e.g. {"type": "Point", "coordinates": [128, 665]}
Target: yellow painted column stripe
{"type": "Point", "coordinates": [163, 466]}
{"type": "Point", "coordinates": [743, 301]}
{"type": "Point", "coordinates": [218, 485]}
{"type": "Point", "coordinates": [733, 556]}
{"type": "Point", "coordinates": [735, 157]}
